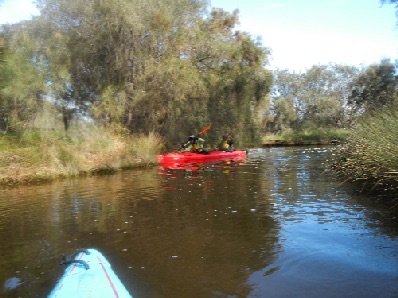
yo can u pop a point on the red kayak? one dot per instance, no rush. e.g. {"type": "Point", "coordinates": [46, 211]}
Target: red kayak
{"type": "Point", "coordinates": [190, 157]}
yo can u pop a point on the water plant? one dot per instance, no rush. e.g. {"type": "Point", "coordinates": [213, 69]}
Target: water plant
{"type": "Point", "coordinates": [369, 156]}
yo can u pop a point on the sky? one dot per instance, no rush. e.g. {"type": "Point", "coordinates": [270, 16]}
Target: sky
{"type": "Point", "coordinates": [299, 33]}
{"type": "Point", "coordinates": [13, 11]}
{"type": "Point", "coordinates": [303, 33]}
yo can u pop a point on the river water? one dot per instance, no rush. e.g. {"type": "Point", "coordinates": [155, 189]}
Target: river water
{"type": "Point", "coordinates": [275, 225]}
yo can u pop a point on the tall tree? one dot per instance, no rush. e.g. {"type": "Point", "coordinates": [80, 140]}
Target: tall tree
{"type": "Point", "coordinates": [23, 81]}
{"type": "Point", "coordinates": [375, 87]}
{"type": "Point", "coordinates": [315, 98]}
{"type": "Point", "coordinates": [166, 66]}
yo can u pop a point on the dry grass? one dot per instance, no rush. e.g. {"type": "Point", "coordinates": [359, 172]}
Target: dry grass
{"type": "Point", "coordinates": [84, 150]}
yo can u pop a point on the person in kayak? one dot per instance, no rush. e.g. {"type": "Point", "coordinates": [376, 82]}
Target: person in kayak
{"type": "Point", "coordinates": [194, 144]}
{"type": "Point", "coordinates": [227, 143]}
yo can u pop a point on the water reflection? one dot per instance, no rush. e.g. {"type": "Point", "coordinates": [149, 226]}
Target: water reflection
{"type": "Point", "coordinates": [275, 225]}
{"type": "Point", "coordinates": [180, 232]}
{"type": "Point", "coordinates": [216, 231]}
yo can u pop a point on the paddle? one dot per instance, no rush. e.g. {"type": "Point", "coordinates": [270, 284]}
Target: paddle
{"type": "Point", "coordinates": [204, 129]}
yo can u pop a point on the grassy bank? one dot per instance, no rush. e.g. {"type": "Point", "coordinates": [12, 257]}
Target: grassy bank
{"type": "Point", "coordinates": [44, 155]}
{"type": "Point", "coordinates": [369, 157]}
{"type": "Point", "coordinates": [306, 137]}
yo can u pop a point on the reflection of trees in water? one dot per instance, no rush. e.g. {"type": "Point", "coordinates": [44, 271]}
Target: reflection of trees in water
{"type": "Point", "coordinates": [27, 239]}
{"type": "Point", "coordinates": [213, 226]}
{"type": "Point", "coordinates": [169, 234]}
{"type": "Point", "coordinates": [292, 175]}
{"type": "Point", "coordinates": [40, 223]}
{"type": "Point", "coordinates": [206, 234]}
{"type": "Point", "coordinates": [380, 210]}
{"type": "Point", "coordinates": [298, 181]}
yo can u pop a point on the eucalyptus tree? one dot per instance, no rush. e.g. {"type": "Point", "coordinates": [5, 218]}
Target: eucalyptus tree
{"type": "Point", "coordinates": [148, 65]}
{"type": "Point", "coordinates": [376, 87]}
{"type": "Point", "coordinates": [122, 51]}
{"type": "Point", "coordinates": [325, 95]}
{"type": "Point", "coordinates": [233, 66]}
{"type": "Point", "coordinates": [315, 98]}
{"type": "Point", "coordinates": [285, 98]}
{"type": "Point", "coordinates": [157, 65]}
{"type": "Point", "coordinates": [23, 81]}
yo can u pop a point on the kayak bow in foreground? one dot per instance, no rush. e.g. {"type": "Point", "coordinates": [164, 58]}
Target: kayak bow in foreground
{"type": "Point", "coordinates": [89, 274]}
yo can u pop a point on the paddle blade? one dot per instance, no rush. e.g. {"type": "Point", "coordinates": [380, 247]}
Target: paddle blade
{"type": "Point", "coordinates": [204, 129]}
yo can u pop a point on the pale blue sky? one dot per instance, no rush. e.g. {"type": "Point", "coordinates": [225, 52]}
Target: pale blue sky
{"type": "Point", "coordinates": [12, 11]}
{"type": "Point", "coordinates": [300, 33]}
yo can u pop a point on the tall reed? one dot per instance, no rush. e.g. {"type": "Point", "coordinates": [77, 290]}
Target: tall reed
{"type": "Point", "coordinates": [370, 154]}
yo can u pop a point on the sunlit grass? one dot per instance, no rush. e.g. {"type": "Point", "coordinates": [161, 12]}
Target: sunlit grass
{"type": "Point", "coordinates": [85, 149]}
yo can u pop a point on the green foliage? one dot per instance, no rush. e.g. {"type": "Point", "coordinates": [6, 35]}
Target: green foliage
{"type": "Point", "coordinates": [375, 87]}
{"type": "Point", "coordinates": [390, 2]}
{"type": "Point", "coordinates": [150, 66]}
{"type": "Point", "coordinates": [22, 80]}
{"type": "Point", "coordinates": [159, 66]}
{"type": "Point", "coordinates": [315, 135]}
{"type": "Point", "coordinates": [317, 97]}
{"type": "Point", "coordinates": [110, 106]}
{"type": "Point", "coordinates": [166, 67]}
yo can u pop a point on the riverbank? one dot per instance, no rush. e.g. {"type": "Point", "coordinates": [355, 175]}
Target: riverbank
{"type": "Point", "coordinates": [42, 157]}
{"type": "Point", "coordinates": [304, 138]}
{"type": "Point", "coordinates": [85, 150]}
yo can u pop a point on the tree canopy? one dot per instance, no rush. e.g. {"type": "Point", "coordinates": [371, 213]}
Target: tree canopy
{"type": "Point", "coordinates": [170, 67]}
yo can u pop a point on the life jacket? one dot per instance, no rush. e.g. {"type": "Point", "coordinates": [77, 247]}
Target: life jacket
{"type": "Point", "coordinates": [197, 146]}
{"type": "Point", "coordinates": [224, 144]}
{"type": "Point", "coordinates": [227, 143]}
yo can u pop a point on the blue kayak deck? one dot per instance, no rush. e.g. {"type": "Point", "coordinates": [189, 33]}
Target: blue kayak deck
{"type": "Point", "coordinates": [92, 277]}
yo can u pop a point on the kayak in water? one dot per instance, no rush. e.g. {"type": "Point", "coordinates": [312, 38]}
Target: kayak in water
{"type": "Point", "coordinates": [88, 274]}
{"type": "Point", "coordinates": [190, 157]}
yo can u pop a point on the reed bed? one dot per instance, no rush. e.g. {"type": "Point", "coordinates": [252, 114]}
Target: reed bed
{"type": "Point", "coordinates": [369, 156]}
